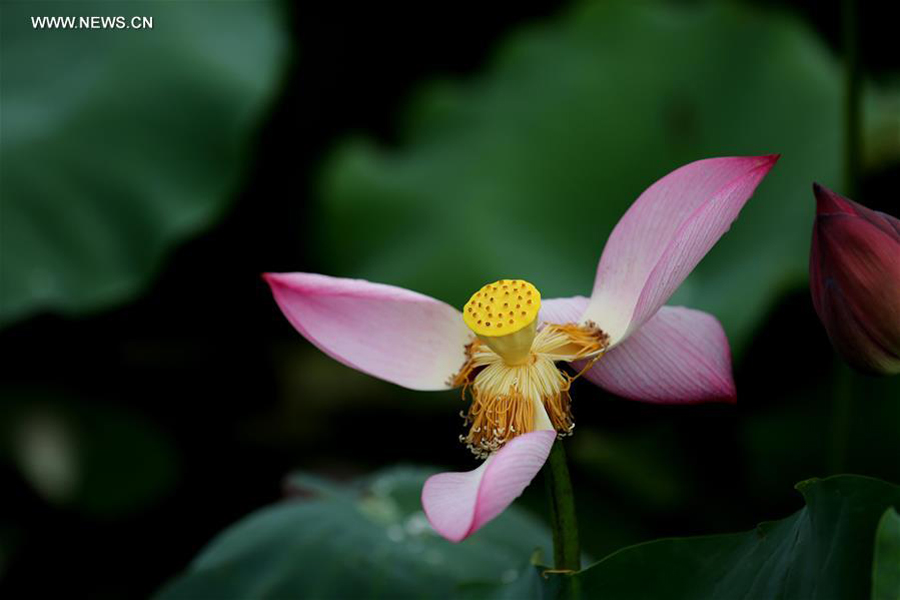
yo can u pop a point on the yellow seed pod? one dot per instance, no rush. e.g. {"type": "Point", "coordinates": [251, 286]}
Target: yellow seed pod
{"type": "Point", "coordinates": [501, 309]}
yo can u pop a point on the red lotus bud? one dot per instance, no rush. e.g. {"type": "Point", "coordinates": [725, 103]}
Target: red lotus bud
{"type": "Point", "coordinates": [854, 277]}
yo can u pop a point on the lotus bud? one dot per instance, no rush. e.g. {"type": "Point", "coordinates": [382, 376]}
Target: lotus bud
{"type": "Point", "coordinates": [854, 277]}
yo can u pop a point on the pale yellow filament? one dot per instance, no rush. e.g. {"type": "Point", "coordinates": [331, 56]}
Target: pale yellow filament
{"type": "Point", "coordinates": [506, 398]}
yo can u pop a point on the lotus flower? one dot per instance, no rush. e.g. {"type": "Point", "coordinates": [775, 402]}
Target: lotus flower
{"type": "Point", "coordinates": [504, 347]}
{"type": "Point", "coordinates": [854, 277]}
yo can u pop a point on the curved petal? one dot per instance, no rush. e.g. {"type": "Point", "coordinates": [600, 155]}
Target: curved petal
{"type": "Point", "coordinates": [458, 504]}
{"type": "Point", "coordinates": [562, 310]}
{"type": "Point", "coordinates": [388, 332]}
{"type": "Point", "coordinates": [680, 355]}
{"type": "Point", "coordinates": [663, 236]}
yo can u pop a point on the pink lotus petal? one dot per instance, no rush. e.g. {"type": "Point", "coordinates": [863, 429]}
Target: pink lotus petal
{"type": "Point", "coordinates": [663, 236]}
{"type": "Point", "coordinates": [562, 310]}
{"type": "Point", "coordinates": [391, 333]}
{"type": "Point", "coordinates": [680, 355]}
{"type": "Point", "coordinates": [458, 504]}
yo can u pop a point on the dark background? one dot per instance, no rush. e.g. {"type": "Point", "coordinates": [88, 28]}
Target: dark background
{"type": "Point", "coordinates": [205, 360]}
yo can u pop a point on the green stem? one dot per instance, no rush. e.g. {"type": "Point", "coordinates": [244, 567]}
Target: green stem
{"type": "Point", "coordinates": [852, 118]}
{"type": "Point", "coordinates": [566, 551]}
{"type": "Point", "coordinates": [841, 399]}
{"type": "Point", "coordinates": [841, 386]}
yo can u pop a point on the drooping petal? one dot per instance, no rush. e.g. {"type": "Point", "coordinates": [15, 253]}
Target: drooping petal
{"type": "Point", "coordinates": [663, 236]}
{"type": "Point", "coordinates": [458, 504]}
{"type": "Point", "coordinates": [388, 332]}
{"type": "Point", "coordinates": [562, 310]}
{"type": "Point", "coordinates": [680, 355]}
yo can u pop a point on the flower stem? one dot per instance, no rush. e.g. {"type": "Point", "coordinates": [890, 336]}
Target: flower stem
{"type": "Point", "coordinates": [841, 400]}
{"type": "Point", "coordinates": [841, 388]}
{"type": "Point", "coordinates": [566, 550]}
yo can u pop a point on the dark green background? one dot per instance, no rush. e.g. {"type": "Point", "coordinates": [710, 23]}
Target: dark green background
{"type": "Point", "coordinates": [152, 393]}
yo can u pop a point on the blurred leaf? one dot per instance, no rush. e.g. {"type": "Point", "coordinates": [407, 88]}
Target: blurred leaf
{"type": "Point", "coordinates": [795, 430]}
{"type": "Point", "coordinates": [525, 170]}
{"type": "Point", "coordinates": [375, 541]}
{"type": "Point", "coordinates": [118, 144]}
{"type": "Point", "coordinates": [640, 465]}
{"type": "Point", "coordinates": [822, 551]}
{"type": "Point", "coordinates": [102, 460]}
{"type": "Point", "coordinates": [529, 584]}
{"type": "Point", "coordinates": [372, 540]}
{"type": "Point", "coordinates": [886, 565]}
{"type": "Point", "coordinates": [47, 453]}
{"type": "Point", "coordinates": [881, 119]}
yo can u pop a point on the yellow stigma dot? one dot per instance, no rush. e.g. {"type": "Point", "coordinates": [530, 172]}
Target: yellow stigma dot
{"type": "Point", "coordinates": [508, 333]}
